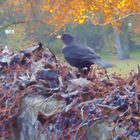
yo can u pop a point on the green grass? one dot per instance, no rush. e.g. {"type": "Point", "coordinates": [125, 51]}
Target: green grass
{"type": "Point", "coordinates": [123, 67]}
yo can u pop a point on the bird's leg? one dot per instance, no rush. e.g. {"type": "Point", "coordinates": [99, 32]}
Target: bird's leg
{"type": "Point", "coordinates": [92, 71]}
{"type": "Point", "coordinates": [96, 72]}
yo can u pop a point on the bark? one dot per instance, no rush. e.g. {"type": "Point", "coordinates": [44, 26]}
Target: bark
{"type": "Point", "coordinates": [122, 47]}
{"type": "Point", "coordinates": [119, 50]}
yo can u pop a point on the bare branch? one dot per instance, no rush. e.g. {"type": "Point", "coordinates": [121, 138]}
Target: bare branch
{"type": "Point", "coordinates": [118, 19]}
{"type": "Point", "coordinates": [14, 23]}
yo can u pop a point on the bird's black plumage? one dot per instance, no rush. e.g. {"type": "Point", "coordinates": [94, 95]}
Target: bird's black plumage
{"type": "Point", "coordinates": [80, 55]}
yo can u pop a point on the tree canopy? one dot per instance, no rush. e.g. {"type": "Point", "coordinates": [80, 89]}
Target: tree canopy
{"type": "Point", "coordinates": [59, 13]}
{"type": "Point", "coordinates": [62, 12]}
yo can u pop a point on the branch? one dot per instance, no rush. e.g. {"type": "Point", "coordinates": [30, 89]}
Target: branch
{"type": "Point", "coordinates": [14, 23]}
{"type": "Point", "coordinates": [118, 19]}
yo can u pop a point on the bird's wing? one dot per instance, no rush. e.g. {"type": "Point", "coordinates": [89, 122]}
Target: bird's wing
{"type": "Point", "coordinates": [84, 54]}
{"type": "Point", "coordinates": [80, 52]}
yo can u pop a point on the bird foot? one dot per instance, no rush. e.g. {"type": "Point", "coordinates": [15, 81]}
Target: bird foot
{"type": "Point", "coordinates": [95, 71]}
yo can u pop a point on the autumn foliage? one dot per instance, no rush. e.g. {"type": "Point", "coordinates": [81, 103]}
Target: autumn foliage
{"type": "Point", "coordinates": [62, 12]}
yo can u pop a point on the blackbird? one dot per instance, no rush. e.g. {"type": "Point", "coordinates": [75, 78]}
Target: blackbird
{"type": "Point", "coordinates": [80, 55]}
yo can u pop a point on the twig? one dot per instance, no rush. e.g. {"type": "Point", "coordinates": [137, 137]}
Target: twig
{"type": "Point", "coordinates": [71, 105]}
{"type": "Point", "coordinates": [70, 94]}
{"type": "Point", "coordinates": [124, 112]}
{"type": "Point", "coordinates": [108, 107]}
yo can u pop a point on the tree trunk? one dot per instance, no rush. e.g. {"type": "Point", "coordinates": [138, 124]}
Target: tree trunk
{"type": "Point", "coordinates": [122, 46]}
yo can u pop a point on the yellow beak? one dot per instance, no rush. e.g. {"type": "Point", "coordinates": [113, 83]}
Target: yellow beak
{"type": "Point", "coordinates": [59, 37]}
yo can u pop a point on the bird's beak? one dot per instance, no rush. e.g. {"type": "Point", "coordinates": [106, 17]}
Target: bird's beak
{"type": "Point", "coordinates": [59, 37]}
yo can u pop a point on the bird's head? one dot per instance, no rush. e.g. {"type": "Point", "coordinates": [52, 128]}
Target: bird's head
{"type": "Point", "coordinates": [66, 38]}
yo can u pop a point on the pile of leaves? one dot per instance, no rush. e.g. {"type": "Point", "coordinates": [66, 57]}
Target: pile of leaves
{"type": "Point", "coordinates": [90, 98]}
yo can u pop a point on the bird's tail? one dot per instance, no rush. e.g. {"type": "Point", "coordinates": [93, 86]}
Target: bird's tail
{"type": "Point", "coordinates": [102, 63]}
